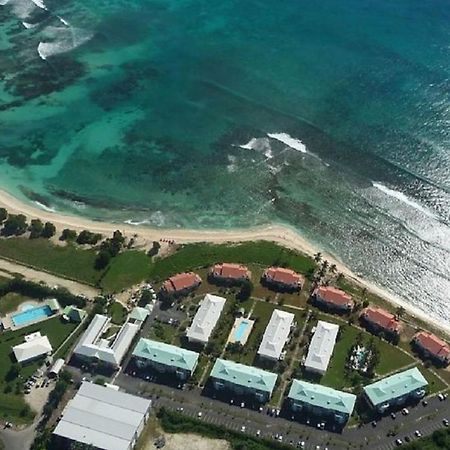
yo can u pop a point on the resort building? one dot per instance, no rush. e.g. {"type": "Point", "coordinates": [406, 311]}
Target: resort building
{"type": "Point", "coordinates": [430, 346]}
{"type": "Point", "coordinates": [396, 390]}
{"type": "Point", "coordinates": [205, 319]}
{"type": "Point", "coordinates": [164, 358]}
{"type": "Point", "coordinates": [321, 401]}
{"type": "Point", "coordinates": [243, 380]}
{"type": "Point", "coordinates": [333, 299]}
{"type": "Point", "coordinates": [181, 284]}
{"type": "Point", "coordinates": [282, 279]}
{"type": "Point", "coordinates": [380, 320]}
{"type": "Point", "coordinates": [111, 351]}
{"type": "Point", "coordinates": [103, 418]}
{"type": "Point", "coordinates": [74, 314]}
{"type": "Point", "coordinates": [321, 347]}
{"type": "Point", "coordinates": [276, 335]}
{"type": "Point", "coordinates": [139, 315]}
{"type": "Point", "coordinates": [228, 273]}
{"type": "Point", "coordinates": [34, 347]}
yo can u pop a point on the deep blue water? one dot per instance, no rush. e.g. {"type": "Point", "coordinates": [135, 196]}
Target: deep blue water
{"type": "Point", "coordinates": [141, 108]}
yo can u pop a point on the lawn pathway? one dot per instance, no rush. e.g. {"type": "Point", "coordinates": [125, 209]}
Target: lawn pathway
{"type": "Point", "coordinates": [295, 358]}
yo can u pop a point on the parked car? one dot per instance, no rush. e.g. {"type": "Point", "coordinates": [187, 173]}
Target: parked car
{"type": "Point", "coordinates": [405, 411]}
{"type": "Point", "coordinates": [243, 429]}
{"type": "Point", "coordinates": [418, 433]}
{"type": "Point", "coordinates": [445, 422]}
{"type": "Point", "coordinates": [399, 442]}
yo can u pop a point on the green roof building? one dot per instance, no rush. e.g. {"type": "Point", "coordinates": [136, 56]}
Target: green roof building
{"type": "Point", "coordinates": [139, 314]}
{"type": "Point", "coordinates": [321, 401]}
{"type": "Point", "coordinates": [396, 390]}
{"type": "Point", "coordinates": [243, 380]}
{"type": "Point", "coordinates": [74, 314]}
{"type": "Point", "coordinates": [156, 356]}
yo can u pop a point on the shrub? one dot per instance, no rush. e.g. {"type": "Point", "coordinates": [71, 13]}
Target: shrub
{"type": "Point", "coordinates": [68, 235]}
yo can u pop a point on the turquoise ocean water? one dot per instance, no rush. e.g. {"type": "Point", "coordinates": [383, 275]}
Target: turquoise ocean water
{"type": "Point", "coordinates": [332, 117]}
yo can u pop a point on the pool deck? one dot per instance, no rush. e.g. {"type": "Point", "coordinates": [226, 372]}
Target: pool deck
{"type": "Point", "coordinates": [8, 323]}
{"type": "Point", "coordinates": [244, 338]}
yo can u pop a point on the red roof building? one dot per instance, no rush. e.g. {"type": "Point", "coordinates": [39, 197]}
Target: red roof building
{"type": "Point", "coordinates": [180, 283]}
{"type": "Point", "coordinates": [283, 278]}
{"type": "Point", "coordinates": [333, 298]}
{"type": "Point", "coordinates": [432, 346]}
{"type": "Point", "coordinates": [230, 272]}
{"type": "Point", "coordinates": [381, 320]}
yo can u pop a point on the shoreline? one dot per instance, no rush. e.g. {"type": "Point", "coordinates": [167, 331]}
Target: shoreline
{"type": "Point", "coordinates": [280, 234]}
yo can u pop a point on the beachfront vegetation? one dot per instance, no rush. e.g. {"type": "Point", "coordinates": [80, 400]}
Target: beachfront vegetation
{"type": "Point", "coordinates": [15, 224]}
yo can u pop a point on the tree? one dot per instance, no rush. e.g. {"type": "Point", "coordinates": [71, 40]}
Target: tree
{"type": "Point", "coordinates": [35, 228]}
{"type": "Point", "coordinates": [155, 249]}
{"type": "Point", "coordinates": [68, 235]}
{"type": "Point", "coordinates": [15, 224]}
{"type": "Point", "coordinates": [399, 311]}
{"type": "Point", "coordinates": [49, 230]}
{"type": "Point", "coordinates": [333, 268]}
{"type": "Point", "coordinates": [246, 291]}
{"type": "Point", "coordinates": [13, 372]}
{"type": "Point", "coordinates": [318, 257]}
{"type": "Point", "coordinates": [86, 237]}
{"type": "Point", "coordinates": [102, 260]}
{"type": "Point", "coordinates": [3, 215]}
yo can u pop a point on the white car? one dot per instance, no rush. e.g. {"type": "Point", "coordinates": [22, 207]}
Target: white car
{"type": "Point", "coordinates": [242, 405]}
{"type": "Point", "coordinates": [418, 433]}
{"type": "Point", "coordinates": [399, 442]}
{"type": "Point", "coordinates": [280, 437]}
{"type": "Point", "coordinates": [258, 433]}
{"type": "Point", "coordinates": [441, 397]}
{"type": "Point", "coordinates": [199, 415]}
{"type": "Point", "coordinates": [405, 411]}
{"type": "Point", "coordinates": [301, 444]}
{"type": "Point", "coordinates": [243, 428]}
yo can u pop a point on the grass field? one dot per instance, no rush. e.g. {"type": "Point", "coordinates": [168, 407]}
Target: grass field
{"type": "Point", "coordinates": [125, 270]}
{"type": "Point", "coordinates": [162, 332]}
{"type": "Point", "coordinates": [204, 255]}
{"type": "Point", "coordinates": [118, 313]}
{"type": "Point", "coordinates": [11, 301]}
{"type": "Point", "coordinates": [68, 261]}
{"type": "Point", "coordinates": [11, 404]}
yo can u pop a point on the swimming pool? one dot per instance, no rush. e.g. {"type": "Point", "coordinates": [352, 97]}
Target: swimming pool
{"type": "Point", "coordinates": [241, 330]}
{"type": "Point", "coordinates": [31, 314]}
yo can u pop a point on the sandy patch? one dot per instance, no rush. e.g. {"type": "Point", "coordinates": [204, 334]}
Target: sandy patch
{"type": "Point", "coordinates": [190, 442]}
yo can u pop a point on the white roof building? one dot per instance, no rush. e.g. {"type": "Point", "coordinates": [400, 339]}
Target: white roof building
{"type": "Point", "coordinates": [276, 334]}
{"type": "Point", "coordinates": [206, 318]}
{"type": "Point", "coordinates": [321, 347]}
{"type": "Point", "coordinates": [91, 344]}
{"type": "Point", "coordinates": [104, 418]}
{"type": "Point", "coordinates": [56, 368]}
{"type": "Point", "coordinates": [34, 346]}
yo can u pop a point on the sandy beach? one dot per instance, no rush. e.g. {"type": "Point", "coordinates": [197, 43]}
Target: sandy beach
{"type": "Point", "coordinates": [280, 234]}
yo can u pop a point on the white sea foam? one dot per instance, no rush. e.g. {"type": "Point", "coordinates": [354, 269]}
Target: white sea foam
{"type": "Point", "coordinates": [39, 4]}
{"type": "Point", "coordinates": [62, 40]}
{"type": "Point", "coordinates": [231, 167]}
{"type": "Point", "coordinates": [63, 21]}
{"type": "Point", "coordinates": [28, 25]}
{"type": "Point", "coordinates": [21, 8]}
{"type": "Point", "coordinates": [404, 199]}
{"type": "Point", "coordinates": [137, 222]}
{"type": "Point", "coordinates": [44, 207]}
{"type": "Point", "coordinates": [285, 138]}
{"type": "Point", "coordinates": [260, 145]}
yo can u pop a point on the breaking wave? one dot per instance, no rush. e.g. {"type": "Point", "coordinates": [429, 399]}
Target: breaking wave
{"type": "Point", "coordinates": [285, 138]}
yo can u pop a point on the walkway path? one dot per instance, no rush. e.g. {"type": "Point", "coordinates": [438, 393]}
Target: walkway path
{"type": "Point", "coordinates": [51, 280]}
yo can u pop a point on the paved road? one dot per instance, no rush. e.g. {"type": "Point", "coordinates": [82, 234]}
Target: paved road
{"type": "Point", "coordinates": [424, 418]}
{"type": "Point", "coordinates": [51, 280]}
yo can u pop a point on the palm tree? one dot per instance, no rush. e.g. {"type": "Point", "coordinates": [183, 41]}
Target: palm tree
{"type": "Point", "coordinates": [318, 257]}
{"type": "Point", "coordinates": [400, 311]}
{"type": "Point", "coordinates": [333, 268]}
{"type": "Point", "coordinates": [325, 264]}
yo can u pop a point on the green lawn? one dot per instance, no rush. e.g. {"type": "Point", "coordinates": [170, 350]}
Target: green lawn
{"type": "Point", "coordinates": [11, 301]}
{"type": "Point", "coordinates": [125, 270]}
{"type": "Point", "coordinates": [67, 261]}
{"type": "Point", "coordinates": [11, 404]}
{"type": "Point", "coordinates": [193, 256]}
{"type": "Point", "coordinates": [118, 313]}
{"type": "Point", "coordinates": [391, 358]}
{"type": "Point", "coordinates": [162, 332]}
{"type": "Point", "coordinates": [434, 383]}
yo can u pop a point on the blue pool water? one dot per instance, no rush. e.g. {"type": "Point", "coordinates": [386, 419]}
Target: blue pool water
{"type": "Point", "coordinates": [31, 315]}
{"type": "Point", "coordinates": [241, 330]}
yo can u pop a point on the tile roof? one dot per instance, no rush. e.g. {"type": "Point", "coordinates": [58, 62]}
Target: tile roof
{"type": "Point", "coordinates": [333, 295]}
{"type": "Point", "coordinates": [382, 318]}
{"type": "Point", "coordinates": [230, 271]}
{"type": "Point", "coordinates": [433, 344]}
{"type": "Point", "coordinates": [395, 386]}
{"type": "Point", "coordinates": [283, 276]}
{"type": "Point", "coordinates": [181, 281]}
{"type": "Point", "coordinates": [246, 376]}
{"type": "Point", "coordinates": [166, 354]}
{"type": "Point", "coordinates": [322, 396]}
